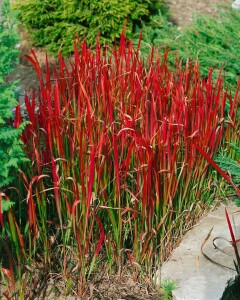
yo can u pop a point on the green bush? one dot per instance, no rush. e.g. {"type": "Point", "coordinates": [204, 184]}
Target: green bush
{"type": "Point", "coordinates": [214, 41]}
{"type": "Point", "coordinates": [8, 40]}
{"type": "Point", "coordinates": [11, 153]}
{"type": "Point", "coordinates": [54, 24]}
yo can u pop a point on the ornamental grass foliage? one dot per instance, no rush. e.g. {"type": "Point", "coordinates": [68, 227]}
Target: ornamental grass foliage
{"type": "Point", "coordinates": [115, 174]}
{"type": "Point", "coordinates": [11, 152]}
{"type": "Point", "coordinates": [55, 23]}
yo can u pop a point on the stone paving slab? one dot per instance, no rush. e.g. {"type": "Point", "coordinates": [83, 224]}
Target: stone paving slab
{"type": "Point", "coordinates": [198, 278]}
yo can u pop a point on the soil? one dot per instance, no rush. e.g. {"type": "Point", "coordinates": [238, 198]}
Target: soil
{"type": "Point", "coordinates": [182, 12]}
{"type": "Point", "coordinates": [101, 287]}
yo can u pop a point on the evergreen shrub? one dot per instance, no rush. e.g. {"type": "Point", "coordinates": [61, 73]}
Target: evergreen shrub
{"type": "Point", "coordinates": [54, 24]}
{"type": "Point", "coordinates": [8, 39]}
{"type": "Point", "coordinates": [214, 41]}
{"type": "Point", "coordinates": [230, 165]}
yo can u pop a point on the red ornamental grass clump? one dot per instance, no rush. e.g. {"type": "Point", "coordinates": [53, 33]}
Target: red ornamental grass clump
{"type": "Point", "coordinates": [112, 142]}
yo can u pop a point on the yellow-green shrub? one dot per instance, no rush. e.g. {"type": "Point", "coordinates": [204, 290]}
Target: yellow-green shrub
{"type": "Point", "coordinates": [55, 23]}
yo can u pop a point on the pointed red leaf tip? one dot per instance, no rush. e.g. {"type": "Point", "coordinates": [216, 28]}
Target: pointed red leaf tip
{"type": "Point", "coordinates": [233, 239]}
{"type": "Point", "coordinates": [18, 117]}
{"type": "Point", "coordinates": [34, 61]}
{"type": "Point", "coordinates": [122, 45]}
{"type": "Point", "coordinates": [217, 168]}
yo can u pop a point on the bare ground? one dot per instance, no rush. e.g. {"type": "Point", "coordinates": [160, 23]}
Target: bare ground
{"type": "Point", "coordinates": [101, 287]}
{"type": "Point", "coordinates": [183, 11]}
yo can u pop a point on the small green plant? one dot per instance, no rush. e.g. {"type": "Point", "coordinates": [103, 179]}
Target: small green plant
{"type": "Point", "coordinates": [6, 205]}
{"type": "Point", "coordinates": [55, 23]}
{"type": "Point", "coordinates": [168, 286]}
{"type": "Point", "coordinates": [230, 165]}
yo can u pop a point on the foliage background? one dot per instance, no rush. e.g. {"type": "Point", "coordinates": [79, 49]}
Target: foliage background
{"type": "Point", "coordinates": [11, 153]}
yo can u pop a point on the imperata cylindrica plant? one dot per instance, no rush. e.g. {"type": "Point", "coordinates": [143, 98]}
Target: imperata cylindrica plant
{"type": "Point", "coordinates": [115, 172]}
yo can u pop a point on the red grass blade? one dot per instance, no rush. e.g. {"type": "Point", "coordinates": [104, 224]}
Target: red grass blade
{"type": "Point", "coordinates": [233, 241]}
